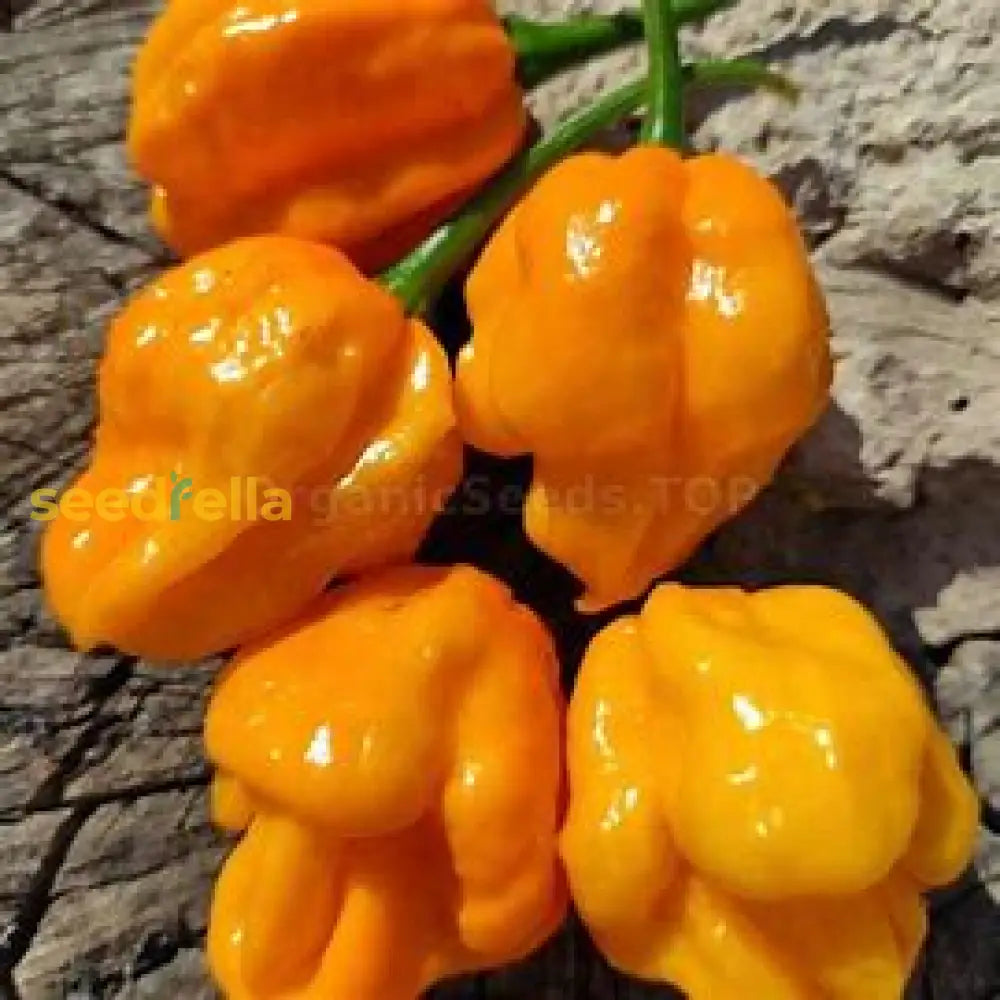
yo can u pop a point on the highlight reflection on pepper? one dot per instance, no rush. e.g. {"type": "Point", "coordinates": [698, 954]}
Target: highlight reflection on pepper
{"type": "Point", "coordinates": [759, 796]}
{"type": "Point", "coordinates": [396, 758]}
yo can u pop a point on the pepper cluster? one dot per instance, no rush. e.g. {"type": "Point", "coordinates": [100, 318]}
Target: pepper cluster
{"type": "Point", "coordinates": [747, 794]}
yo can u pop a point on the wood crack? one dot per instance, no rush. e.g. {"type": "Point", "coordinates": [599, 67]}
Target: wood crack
{"type": "Point", "coordinates": [941, 653]}
{"type": "Point", "coordinates": [990, 817]}
{"type": "Point", "coordinates": [912, 277]}
{"type": "Point", "coordinates": [50, 794]}
{"type": "Point", "coordinates": [132, 793]}
{"type": "Point", "coordinates": [17, 940]}
{"type": "Point", "coordinates": [841, 30]}
{"type": "Point", "coordinates": [155, 952]}
{"type": "Point", "coordinates": [72, 212]}
{"type": "Point", "coordinates": [20, 934]}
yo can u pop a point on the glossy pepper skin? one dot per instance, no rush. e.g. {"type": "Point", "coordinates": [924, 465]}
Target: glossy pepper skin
{"type": "Point", "coordinates": [396, 758]}
{"type": "Point", "coordinates": [758, 797]}
{"type": "Point", "coordinates": [350, 122]}
{"type": "Point", "coordinates": [270, 360]}
{"type": "Point", "coordinates": [649, 328]}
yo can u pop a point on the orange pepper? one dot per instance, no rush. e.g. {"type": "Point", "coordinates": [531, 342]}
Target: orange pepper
{"type": "Point", "coordinates": [650, 330]}
{"type": "Point", "coordinates": [396, 755]}
{"type": "Point", "coordinates": [268, 365]}
{"type": "Point", "coordinates": [351, 122]}
{"type": "Point", "coordinates": [759, 795]}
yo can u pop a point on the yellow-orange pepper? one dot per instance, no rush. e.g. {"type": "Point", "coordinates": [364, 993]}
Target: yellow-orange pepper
{"type": "Point", "coordinates": [397, 758]}
{"type": "Point", "coordinates": [758, 797]}
{"type": "Point", "coordinates": [267, 365]}
{"type": "Point", "coordinates": [354, 122]}
{"type": "Point", "coordinates": [650, 329]}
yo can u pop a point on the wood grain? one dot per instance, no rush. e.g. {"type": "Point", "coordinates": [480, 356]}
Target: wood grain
{"type": "Point", "coordinates": [106, 857]}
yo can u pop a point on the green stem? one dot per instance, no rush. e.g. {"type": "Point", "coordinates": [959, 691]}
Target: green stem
{"type": "Point", "coordinates": [739, 73]}
{"type": "Point", "coordinates": [546, 48]}
{"type": "Point", "coordinates": [664, 123]}
{"type": "Point", "coordinates": [418, 279]}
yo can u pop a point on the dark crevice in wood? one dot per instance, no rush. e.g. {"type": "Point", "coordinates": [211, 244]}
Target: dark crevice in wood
{"type": "Point", "coordinates": [126, 795]}
{"type": "Point", "coordinates": [584, 969]}
{"type": "Point", "coordinates": [50, 794]}
{"type": "Point", "coordinates": [909, 277]}
{"type": "Point", "coordinates": [926, 978]}
{"type": "Point", "coordinates": [161, 949]}
{"type": "Point", "coordinates": [69, 210]}
{"type": "Point", "coordinates": [841, 31]}
{"type": "Point", "coordinates": [945, 900]}
{"type": "Point", "coordinates": [941, 653]}
{"type": "Point", "coordinates": [36, 900]}
{"type": "Point", "coordinates": [817, 240]}
{"type": "Point", "coordinates": [990, 816]}
{"type": "Point", "coordinates": [155, 951]}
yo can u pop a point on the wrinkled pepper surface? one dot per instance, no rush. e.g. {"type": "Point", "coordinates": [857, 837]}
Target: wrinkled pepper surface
{"type": "Point", "coordinates": [395, 757]}
{"type": "Point", "coordinates": [359, 123]}
{"type": "Point", "coordinates": [758, 797]}
{"type": "Point", "coordinates": [271, 363]}
{"type": "Point", "coordinates": [650, 330]}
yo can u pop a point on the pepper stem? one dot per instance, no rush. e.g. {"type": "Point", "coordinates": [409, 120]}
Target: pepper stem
{"type": "Point", "coordinates": [546, 48]}
{"type": "Point", "coordinates": [740, 73]}
{"type": "Point", "coordinates": [419, 278]}
{"type": "Point", "coordinates": [664, 123]}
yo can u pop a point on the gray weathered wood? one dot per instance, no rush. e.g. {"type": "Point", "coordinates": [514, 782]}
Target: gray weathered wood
{"type": "Point", "coordinates": [893, 160]}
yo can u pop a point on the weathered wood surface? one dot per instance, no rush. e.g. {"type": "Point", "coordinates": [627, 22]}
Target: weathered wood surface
{"type": "Point", "coordinates": [893, 159]}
